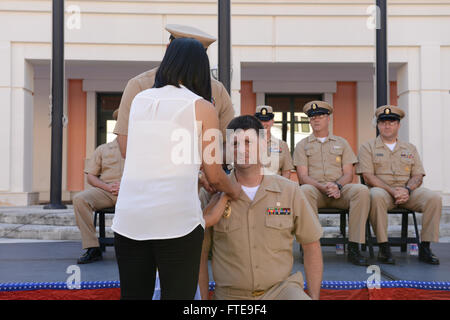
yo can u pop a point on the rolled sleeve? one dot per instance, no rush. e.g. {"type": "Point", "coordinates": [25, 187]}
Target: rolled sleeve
{"type": "Point", "coordinates": [226, 114]}
{"type": "Point", "coordinates": [365, 161]}
{"type": "Point", "coordinates": [417, 167]}
{"type": "Point", "coordinates": [131, 90]}
{"type": "Point", "coordinates": [307, 225]}
{"type": "Point", "coordinates": [300, 158]}
{"type": "Point", "coordinates": [348, 156]}
{"type": "Point", "coordinates": [287, 161]}
{"type": "Point", "coordinates": [94, 164]}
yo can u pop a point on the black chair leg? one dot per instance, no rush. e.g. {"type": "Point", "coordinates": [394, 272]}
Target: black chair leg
{"type": "Point", "coordinates": [343, 227]}
{"type": "Point", "coordinates": [95, 219]}
{"type": "Point", "coordinates": [404, 235]}
{"type": "Point", "coordinates": [301, 255]}
{"type": "Point", "coordinates": [369, 239]}
{"type": "Point", "coordinates": [416, 229]}
{"type": "Point", "coordinates": [102, 231]}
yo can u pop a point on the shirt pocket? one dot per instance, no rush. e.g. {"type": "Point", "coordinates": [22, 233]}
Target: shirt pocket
{"type": "Point", "coordinates": [279, 222]}
{"type": "Point", "coordinates": [279, 229]}
{"type": "Point", "coordinates": [406, 166]}
{"type": "Point", "coordinates": [110, 161]}
{"type": "Point", "coordinates": [335, 157]}
{"type": "Point", "coordinates": [311, 151]}
{"type": "Point", "coordinates": [382, 165]}
{"type": "Point", "coordinates": [228, 225]}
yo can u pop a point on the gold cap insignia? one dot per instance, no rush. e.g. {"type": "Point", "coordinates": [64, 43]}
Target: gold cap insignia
{"type": "Point", "coordinates": [387, 111]}
{"type": "Point", "coordinates": [314, 106]}
{"type": "Point", "coordinates": [264, 111]}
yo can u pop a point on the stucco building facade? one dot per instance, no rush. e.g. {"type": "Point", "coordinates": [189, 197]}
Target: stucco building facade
{"type": "Point", "coordinates": [283, 54]}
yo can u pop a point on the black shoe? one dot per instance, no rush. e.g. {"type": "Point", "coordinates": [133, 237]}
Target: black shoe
{"type": "Point", "coordinates": [426, 255]}
{"type": "Point", "coordinates": [355, 256]}
{"type": "Point", "coordinates": [91, 255]}
{"type": "Point", "coordinates": [385, 255]}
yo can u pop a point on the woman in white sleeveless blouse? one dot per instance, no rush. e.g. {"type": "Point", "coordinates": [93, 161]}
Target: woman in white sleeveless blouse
{"type": "Point", "coordinates": [158, 222]}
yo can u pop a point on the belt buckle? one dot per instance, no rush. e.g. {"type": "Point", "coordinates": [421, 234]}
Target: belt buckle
{"type": "Point", "coordinates": [258, 293]}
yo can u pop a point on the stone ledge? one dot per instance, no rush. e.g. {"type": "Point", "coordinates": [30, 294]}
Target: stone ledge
{"type": "Point", "coordinates": [19, 198]}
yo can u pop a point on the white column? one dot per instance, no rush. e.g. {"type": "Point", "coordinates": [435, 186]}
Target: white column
{"type": "Point", "coordinates": [91, 123]}
{"type": "Point", "coordinates": [260, 98]}
{"type": "Point", "coordinates": [328, 98]}
{"type": "Point", "coordinates": [236, 86]}
{"type": "Point", "coordinates": [445, 98]}
{"type": "Point", "coordinates": [433, 120]}
{"type": "Point", "coordinates": [5, 115]}
{"type": "Point", "coordinates": [21, 131]}
{"type": "Point", "coordinates": [408, 84]}
{"type": "Point", "coordinates": [365, 112]}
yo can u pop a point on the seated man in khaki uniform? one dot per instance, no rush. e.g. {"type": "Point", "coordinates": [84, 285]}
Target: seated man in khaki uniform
{"type": "Point", "coordinates": [325, 170]}
{"type": "Point", "coordinates": [393, 171]}
{"type": "Point", "coordinates": [252, 255]}
{"type": "Point", "coordinates": [221, 98]}
{"type": "Point", "coordinates": [104, 171]}
{"type": "Point", "coordinates": [278, 150]}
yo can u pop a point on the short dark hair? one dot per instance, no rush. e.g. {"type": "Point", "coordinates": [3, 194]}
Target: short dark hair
{"type": "Point", "coordinates": [245, 122]}
{"type": "Point", "coordinates": [185, 62]}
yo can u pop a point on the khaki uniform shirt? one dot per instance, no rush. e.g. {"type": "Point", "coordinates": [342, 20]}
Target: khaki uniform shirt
{"type": "Point", "coordinates": [107, 162]}
{"type": "Point", "coordinates": [146, 80]}
{"type": "Point", "coordinates": [252, 248]}
{"type": "Point", "coordinates": [324, 160]}
{"type": "Point", "coordinates": [396, 167]}
{"type": "Point", "coordinates": [279, 149]}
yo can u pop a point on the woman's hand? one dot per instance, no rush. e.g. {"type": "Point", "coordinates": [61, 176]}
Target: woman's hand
{"type": "Point", "coordinates": [203, 182]}
{"type": "Point", "coordinates": [236, 191]}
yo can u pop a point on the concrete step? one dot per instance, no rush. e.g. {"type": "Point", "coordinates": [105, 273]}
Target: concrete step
{"type": "Point", "coordinates": [43, 232]}
{"type": "Point", "coordinates": [34, 222]}
{"type": "Point", "coordinates": [40, 216]}
{"type": "Point", "coordinates": [395, 231]}
{"type": "Point", "coordinates": [51, 232]}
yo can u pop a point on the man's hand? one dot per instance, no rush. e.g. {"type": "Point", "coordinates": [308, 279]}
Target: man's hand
{"type": "Point", "coordinates": [114, 188]}
{"type": "Point", "coordinates": [332, 190]}
{"type": "Point", "coordinates": [401, 195]}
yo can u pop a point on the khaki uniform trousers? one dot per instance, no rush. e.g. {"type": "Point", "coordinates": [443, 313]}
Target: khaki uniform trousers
{"type": "Point", "coordinates": [423, 200]}
{"type": "Point", "coordinates": [289, 289]}
{"type": "Point", "coordinates": [355, 197]}
{"type": "Point", "coordinates": [84, 203]}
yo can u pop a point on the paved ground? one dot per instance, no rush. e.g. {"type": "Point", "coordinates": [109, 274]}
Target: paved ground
{"type": "Point", "coordinates": [44, 261]}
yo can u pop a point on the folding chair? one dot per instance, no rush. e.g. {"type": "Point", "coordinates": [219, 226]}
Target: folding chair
{"type": "Point", "coordinates": [403, 240]}
{"type": "Point", "coordinates": [102, 239]}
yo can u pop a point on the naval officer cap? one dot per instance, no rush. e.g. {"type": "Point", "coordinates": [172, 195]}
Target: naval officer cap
{"type": "Point", "coordinates": [182, 31]}
{"type": "Point", "coordinates": [264, 113]}
{"type": "Point", "coordinates": [315, 108]}
{"type": "Point", "coordinates": [389, 112]}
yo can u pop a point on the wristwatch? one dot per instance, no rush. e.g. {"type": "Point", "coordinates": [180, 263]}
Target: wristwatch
{"type": "Point", "coordinates": [409, 190]}
{"type": "Point", "coordinates": [338, 185]}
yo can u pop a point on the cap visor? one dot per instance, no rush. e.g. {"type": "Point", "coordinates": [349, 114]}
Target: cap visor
{"type": "Point", "coordinates": [264, 118]}
{"type": "Point", "coordinates": [390, 117]}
